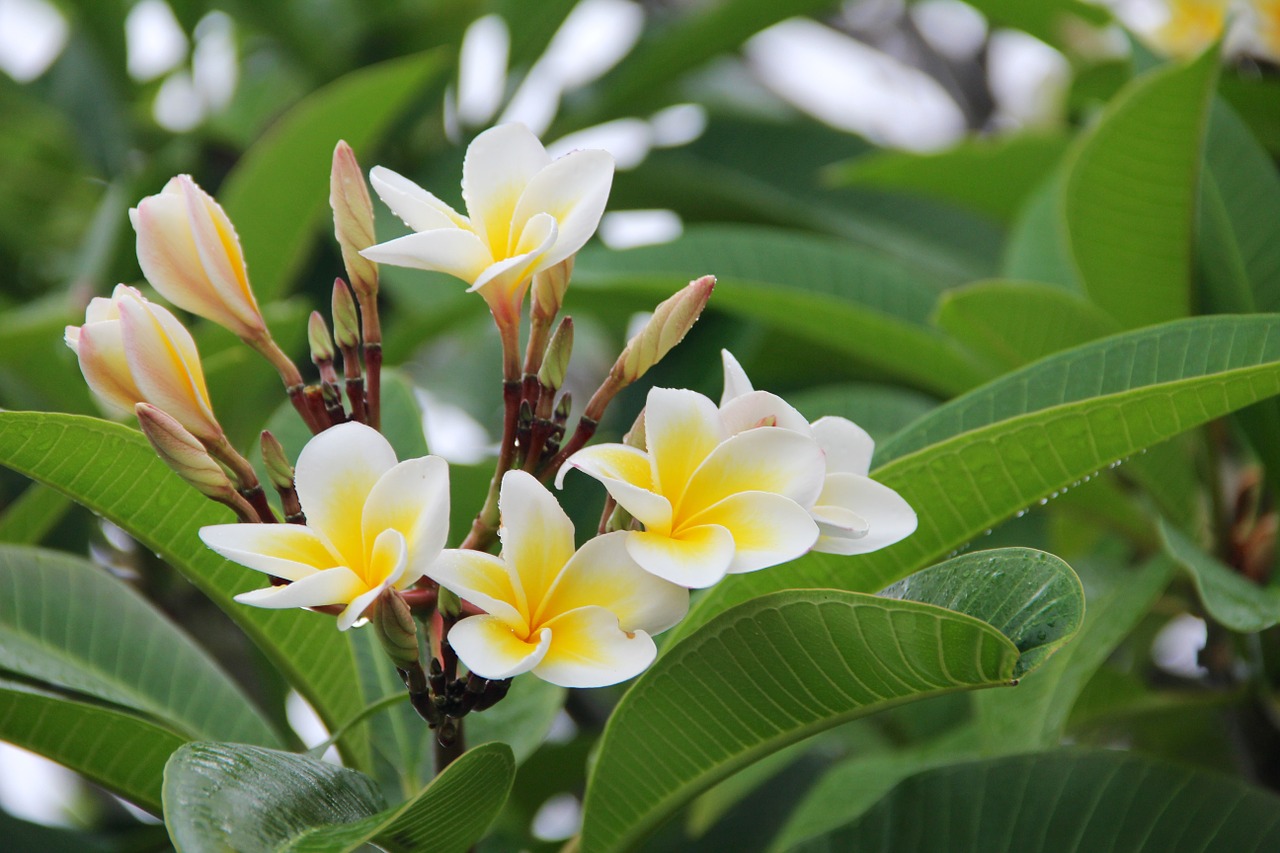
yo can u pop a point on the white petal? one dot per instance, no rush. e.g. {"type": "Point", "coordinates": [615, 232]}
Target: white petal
{"type": "Point", "coordinates": [416, 207]}
{"type": "Point", "coordinates": [627, 475]}
{"type": "Point", "coordinates": [504, 283]}
{"type": "Point", "coordinates": [682, 428]}
{"type": "Point", "coordinates": [336, 471]}
{"type": "Point", "coordinates": [537, 536]}
{"type": "Point", "coordinates": [499, 164]}
{"type": "Point", "coordinates": [759, 460]}
{"type": "Point", "coordinates": [767, 529]}
{"type": "Point", "coordinates": [588, 649]}
{"type": "Point", "coordinates": [697, 559]}
{"type": "Point", "coordinates": [889, 518]}
{"type": "Point", "coordinates": [736, 382]}
{"type": "Point", "coordinates": [574, 190]}
{"type": "Point", "coordinates": [481, 579]}
{"type": "Point", "coordinates": [449, 250]}
{"type": "Point", "coordinates": [289, 551]}
{"type": "Point", "coordinates": [413, 498]}
{"type": "Point", "coordinates": [353, 611]}
{"type": "Point", "coordinates": [489, 647]}
{"type": "Point", "coordinates": [760, 408]}
{"type": "Point", "coordinates": [100, 350]}
{"type": "Point", "coordinates": [332, 586]}
{"type": "Point", "coordinates": [848, 446]}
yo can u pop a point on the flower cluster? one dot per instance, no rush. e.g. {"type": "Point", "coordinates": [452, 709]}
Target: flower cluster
{"type": "Point", "coordinates": [697, 491]}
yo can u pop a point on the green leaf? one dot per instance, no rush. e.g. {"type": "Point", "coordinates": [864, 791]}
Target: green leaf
{"type": "Point", "coordinates": [226, 796]}
{"type": "Point", "coordinates": [68, 623]}
{"type": "Point", "coordinates": [999, 449]}
{"type": "Point", "coordinates": [992, 177]}
{"type": "Point", "coordinates": [522, 719]}
{"type": "Point", "coordinates": [780, 668]}
{"type": "Point", "coordinates": [1229, 597]}
{"type": "Point", "coordinates": [112, 470]}
{"type": "Point", "coordinates": [278, 193]}
{"type": "Point", "coordinates": [881, 410]}
{"type": "Point", "coordinates": [1043, 19]}
{"type": "Point", "coordinates": [35, 512]}
{"type": "Point", "coordinates": [1130, 194]}
{"type": "Point", "coordinates": [121, 752]}
{"type": "Point", "coordinates": [865, 307]}
{"type": "Point", "coordinates": [1037, 248]}
{"type": "Point", "coordinates": [1071, 800]}
{"type": "Point", "coordinates": [1016, 322]}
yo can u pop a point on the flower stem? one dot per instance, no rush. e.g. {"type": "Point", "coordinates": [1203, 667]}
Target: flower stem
{"type": "Point", "coordinates": [371, 332]}
{"type": "Point", "coordinates": [485, 527]}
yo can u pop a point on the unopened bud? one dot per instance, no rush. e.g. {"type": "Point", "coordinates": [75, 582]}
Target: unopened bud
{"type": "Point", "coordinates": [320, 339]}
{"type": "Point", "coordinates": [548, 289]}
{"type": "Point", "coordinates": [448, 603]}
{"type": "Point", "coordinates": [561, 415]}
{"type": "Point", "coordinates": [556, 362]}
{"type": "Point", "coordinates": [396, 629]}
{"type": "Point", "coordinates": [346, 319]}
{"type": "Point", "coordinates": [184, 453]}
{"type": "Point", "coordinates": [279, 471]}
{"type": "Point", "coordinates": [353, 220]}
{"type": "Point", "coordinates": [670, 322]}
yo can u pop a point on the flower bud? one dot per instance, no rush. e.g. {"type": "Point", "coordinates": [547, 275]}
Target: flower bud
{"type": "Point", "coordinates": [556, 362]}
{"type": "Point", "coordinates": [670, 322]}
{"type": "Point", "coordinates": [636, 436]}
{"type": "Point", "coordinates": [320, 340]}
{"type": "Point", "coordinates": [189, 252]}
{"type": "Point", "coordinates": [549, 287]}
{"type": "Point", "coordinates": [276, 461]}
{"type": "Point", "coordinates": [346, 319]}
{"type": "Point", "coordinates": [184, 453]}
{"type": "Point", "coordinates": [396, 629]}
{"type": "Point", "coordinates": [353, 220]}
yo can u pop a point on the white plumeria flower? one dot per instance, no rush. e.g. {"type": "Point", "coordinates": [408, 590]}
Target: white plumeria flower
{"type": "Point", "coordinates": [372, 524]}
{"type": "Point", "coordinates": [855, 514]}
{"type": "Point", "coordinates": [526, 213]}
{"type": "Point", "coordinates": [577, 619]}
{"type": "Point", "coordinates": [711, 502]}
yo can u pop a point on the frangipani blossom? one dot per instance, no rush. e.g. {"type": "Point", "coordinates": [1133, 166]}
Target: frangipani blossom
{"type": "Point", "coordinates": [133, 351]}
{"type": "Point", "coordinates": [526, 213]}
{"type": "Point", "coordinates": [711, 501]}
{"type": "Point", "coordinates": [855, 514]}
{"type": "Point", "coordinates": [576, 619]}
{"type": "Point", "coordinates": [189, 252]}
{"type": "Point", "coordinates": [372, 524]}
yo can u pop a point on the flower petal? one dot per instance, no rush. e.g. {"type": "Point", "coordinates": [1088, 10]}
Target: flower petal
{"type": "Point", "coordinates": [698, 558]}
{"type": "Point", "coordinates": [499, 164]}
{"type": "Point", "coordinates": [449, 250]}
{"type": "Point", "coordinates": [416, 207]}
{"type": "Point", "coordinates": [759, 460]}
{"type": "Point", "coordinates": [736, 382]}
{"type": "Point", "coordinates": [682, 428]}
{"type": "Point", "coordinates": [627, 474]}
{"type": "Point", "coordinates": [848, 446]}
{"type": "Point", "coordinates": [387, 560]}
{"type": "Point", "coordinates": [100, 350]}
{"type": "Point", "coordinates": [413, 498]}
{"type": "Point", "coordinates": [767, 529]}
{"type": "Point", "coordinates": [537, 536]}
{"type": "Point", "coordinates": [588, 649]}
{"type": "Point", "coordinates": [225, 279]}
{"type": "Point", "coordinates": [351, 614]}
{"type": "Point", "coordinates": [503, 285]}
{"type": "Point", "coordinates": [332, 586]}
{"type": "Point", "coordinates": [335, 474]}
{"type": "Point", "coordinates": [760, 408]}
{"type": "Point", "coordinates": [574, 190]}
{"type": "Point", "coordinates": [289, 551]}
{"type": "Point", "coordinates": [603, 573]}
{"type": "Point", "coordinates": [481, 579]}
{"type": "Point", "coordinates": [889, 517]}
{"type": "Point", "coordinates": [491, 649]}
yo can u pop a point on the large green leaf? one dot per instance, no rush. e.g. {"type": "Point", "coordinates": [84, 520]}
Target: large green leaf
{"type": "Point", "coordinates": [1074, 800]}
{"type": "Point", "coordinates": [1037, 248]}
{"type": "Point", "coordinates": [220, 796]}
{"type": "Point", "coordinates": [113, 471]}
{"type": "Point", "coordinates": [999, 449]}
{"type": "Point", "coordinates": [881, 410]}
{"type": "Point", "coordinates": [862, 305]}
{"type": "Point", "coordinates": [31, 515]}
{"type": "Point", "coordinates": [1130, 194]}
{"type": "Point", "coordinates": [278, 192]}
{"type": "Point", "coordinates": [1229, 597]}
{"type": "Point", "coordinates": [69, 623]}
{"type": "Point", "coordinates": [782, 667]}
{"type": "Point", "coordinates": [121, 752]}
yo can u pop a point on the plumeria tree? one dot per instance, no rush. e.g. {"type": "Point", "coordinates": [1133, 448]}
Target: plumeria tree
{"type": "Point", "coordinates": [764, 543]}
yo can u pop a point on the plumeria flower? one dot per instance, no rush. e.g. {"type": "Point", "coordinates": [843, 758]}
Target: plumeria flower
{"type": "Point", "coordinates": [372, 524]}
{"type": "Point", "coordinates": [855, 514]}
{"type": "Point", "coordinates": [577, 619]}
{"type": "Point", "coordinates": [189, 252]}
{"type": "Point", "coordinates": [711, 502]}
{"type": "Point", "coordinates": [133, 351]}
{"type": "Point", "coordinates": [526, 213]}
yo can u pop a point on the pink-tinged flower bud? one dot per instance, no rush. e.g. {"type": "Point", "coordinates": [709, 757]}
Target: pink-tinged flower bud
{"type": "Point", "coordinates": [133, 351]}
{"type": "Point", "coordinates": [549, 287]}
{"type": "Point", "coordinates": [670, 322]}
{"type": "Point", "coordinates": [190, 253]}
{"type": "Point", "coordinates": [184, 453]}
{"type": "Point", "coordinates": [353, 220]}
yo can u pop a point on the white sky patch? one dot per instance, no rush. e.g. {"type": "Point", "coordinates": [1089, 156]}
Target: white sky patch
{"type": "Point", "coordinates": [36, 789]}
{"type": "Point", "coordinates": [627, 139]}
{"type": "Point", "coordinates": [451, 432]}
{"type": "Point", "coordinates": [155, 40]}
{"type": "Point", "coordinates": [627, 229]}
{"type": "Point", "coordinates": [854, 87]}
{"type": "Point", "coordinates": [482, 69]}
{"type": "Point", "coordinates": [954, 29]}
{"type": "Point", "coordinates": [1177, 647]}
{"type": "Point", "coordinates": [558, 818]}
{"type": "Point", "coordinates": [1028, 78]}
{"type": "Point", "coordinates": [32, 34]}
